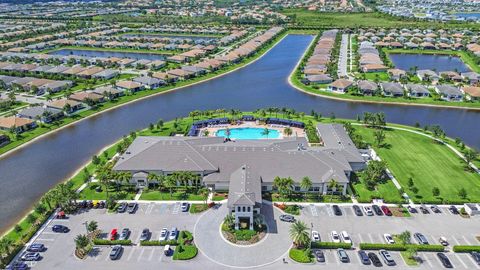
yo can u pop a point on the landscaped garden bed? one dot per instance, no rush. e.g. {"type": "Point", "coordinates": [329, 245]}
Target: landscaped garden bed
{"type": "Point", "coordinates": [243, 236]}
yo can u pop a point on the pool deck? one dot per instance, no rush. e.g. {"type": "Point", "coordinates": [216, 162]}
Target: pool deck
{"type": "Point", "coordinates": [296, 132]}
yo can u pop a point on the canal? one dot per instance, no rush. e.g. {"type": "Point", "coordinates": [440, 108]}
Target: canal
{"type": "Point", "coordinates": [435, 62]}
{"type": "Point", "coordinates": [28, 173]}
{"type": "Point", "coordinates": [106, 54]}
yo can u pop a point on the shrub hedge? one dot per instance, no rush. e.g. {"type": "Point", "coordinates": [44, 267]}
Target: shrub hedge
{"type": "Point", "coordinates": [463, 249]}
{"type": "Point", "coordinates": [301, 255]}
{"type": "Point", "coordinates": [106, 242]}
{"type": "Point", "coordinates": [400, 247]}
{"type": "Point", "coordinates": [185, 252]}
{"type": "Point", "coordinates": [330, 245]}
{"type": "Point", "coordinates": [244, 235]}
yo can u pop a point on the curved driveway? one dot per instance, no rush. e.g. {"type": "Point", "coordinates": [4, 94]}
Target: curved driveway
{"type": "Point", "coordinates": [270, 249]}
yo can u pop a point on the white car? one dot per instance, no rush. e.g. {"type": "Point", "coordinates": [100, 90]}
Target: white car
{"type": "Point", "coordinates": [315, 236]}
{"type": "Point", "coordinates": [388, 238]}
{"type": "Point", "coordinates": [368, 210]}
{"type": "Point", "coordinates": [173, 234]}
{"type": "Point", "coordinates": [335, 237]}
{"type": "Point", "coordinates": [345, 237]}
{"type": "Point", "coordinates": [163, 234]}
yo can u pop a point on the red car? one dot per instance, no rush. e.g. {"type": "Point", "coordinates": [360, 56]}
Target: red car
{"type": "Point", "coordinates": [386, 210]}
{"type": "Point", "coordinates": [113, 234]}
{"type": "Point", "coordinates": [61, 215]}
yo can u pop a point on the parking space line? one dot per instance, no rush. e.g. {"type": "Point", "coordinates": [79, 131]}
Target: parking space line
{"type": "Point", "coordinates": [455, 239]}
{"type": "Point", "coordinates": [132, 250]}
{"type": "Point", "coordinates": [141, 254]}
{"type": "Point", "coordinates": [44, 239]}
{"type": "Point", "coordinates": [360, 237]}
{"type": "Point", "coordinates": [176, 208]}
{"type": "Point", "coordinates": [461, 261]}
{"type": "Point", "coordinates": [424, 257]}
{"type": "Point", "coordinates": [329, 210]}
{"type": "Point", "coordinates": [151, 254]}
{"type": "Point", "coordinates": [371, 238]}
{"type": "Point", "coordinates": [107, 257]}
{"type": "Point", "coordinates": [357, 260]}
{"type": "Point", "coordinates": [466, 240]}
{"type": "Point", "coordinates": [161, 256]}
{"type": "Point", "coordinates": [473, 261]}
{"type": "Point", "coordinates": [149, 209]}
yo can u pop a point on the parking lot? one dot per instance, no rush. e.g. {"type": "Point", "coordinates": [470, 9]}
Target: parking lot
{"type": "Point", "coordinates": [155, 216]}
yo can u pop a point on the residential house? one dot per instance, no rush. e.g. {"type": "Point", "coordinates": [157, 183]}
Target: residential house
{"type": "Point", "coordinates": [449, 92]}
{"type": "Point", "coordinates": [318, 79]}
{"type": "Point", "coordinates": [180, 73]}
{"type": "Point", "coordinates": [18, 124]}
{"type": "Point", "coordinates": [428, 75]}
{"type": "Point", "coordinates": [86, 96]}
{"type": "Point", "coordinates": [67, 105]}
{"type": "Point", "coordinates": [165, 77]}
{"type": "Point", "coordinates": [392, 89]}
{"type": "Point", "coordinates": [417, 90]}
{"type": "Point", "coordinates": [130, 86]}
{"type": "Point", "coordinates": [366, 87]}
{"type": "Point", "coordinates": [340, 86]}
{"type": "Point", "coordinates": [109, 91]}
{"type": "Point", "coordinates": [471, 77]}
{"type": "Point", "coordinates": [55, 86]}
{"type": "Point", "coordinates": [106, 74]}
{"type": "Point", "coordinates": [472, 92]}
{"type": "Point", "coordinates": [41, 113]}
{"type": "Point", "coordinates": [149, 82]}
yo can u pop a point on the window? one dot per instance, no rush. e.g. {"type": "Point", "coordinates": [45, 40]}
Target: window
{"type": "Point", "coordinates": [264, 188]}
{"type": "Point", "coordinates": [239, 209]}
{"type": "Point", "coordinates": [297, 188]}
{"type": "Point", "coordinates": [243, 210]}
{"type": "Point", "coordinates": [248, 209]}
{"type": "Point", "coordinates": [311, 189]}
{"type": "Point", "coordinates": [316, 189]}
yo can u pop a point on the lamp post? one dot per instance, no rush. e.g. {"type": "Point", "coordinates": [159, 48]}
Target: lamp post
{"type": "Point", "coordinates": [86, 226]}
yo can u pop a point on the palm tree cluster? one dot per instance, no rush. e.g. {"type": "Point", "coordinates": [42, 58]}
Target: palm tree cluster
{"type": "Point", "coordinates": [62, 196]}
{"type": "Point", "coordinates": [374, 119]}
{"type": "Point", "coordinates": [299, 234]}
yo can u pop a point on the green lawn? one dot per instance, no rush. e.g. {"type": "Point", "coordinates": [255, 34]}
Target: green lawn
{"type": "Point", "coordinates": [372, 76]}
{"type": "Point", "coordinates": [86, 48]}
{"type": "Point", "coordinates": [89, 193]}
{"type": "Point", "coordinates": [303, 18]}
{"type": "Point", "coordinates": [165, 196]}
{"type": "Point", "coordinates": [386, 191]}
{"type": "Point", "coordinates": [429, 164]}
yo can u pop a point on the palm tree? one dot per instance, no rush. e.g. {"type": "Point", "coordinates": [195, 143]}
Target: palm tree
{"type": "Point", "coordinates": [5, 244]}
{"type": "Point", "coordinates": [204, 192]}
{"type": "Point", "coordinates": [170, 182]}
{"type": "Point", "coordinates": [306, 184]}
{"type": "Point", "coordinates": [229, 220]}
{"type": "Point", "coordinates": [287, 131]}
{"type": "Point", "coordinates": [81, 241]}
{"type": "Point", "coordinates": [299, 234]}
{"type": "Point", "coordinates": [153, 177]}
{"type": "Point", "coordinates": [333, 185]}
{"type": "Point", "coordinates": [92, 226]}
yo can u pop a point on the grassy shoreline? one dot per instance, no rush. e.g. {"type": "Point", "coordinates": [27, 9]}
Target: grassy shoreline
{"type": "Point", "coordinates": [120, 50]}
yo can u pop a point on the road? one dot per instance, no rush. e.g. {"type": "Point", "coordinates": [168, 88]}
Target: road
{"type": "Point", "coordinates": [343, 57]}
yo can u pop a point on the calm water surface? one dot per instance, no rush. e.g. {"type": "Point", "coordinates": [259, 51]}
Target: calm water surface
{"type": "Point", "coordinates": [28, 173]}
{"type": "Point", "coordinates": [428, 61]}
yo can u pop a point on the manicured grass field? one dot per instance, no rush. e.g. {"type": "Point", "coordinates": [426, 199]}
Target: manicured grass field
{"type": "Point", "coordinates": [430, 165]}
{"type": "Point", "coordinates": [381, 76]}
{"type": "Point", "coordinates": [303, 17]}
{"type": "Point", "coordinates": [165, 196]}
{"type": "Point", "coordinates": [387, 191]}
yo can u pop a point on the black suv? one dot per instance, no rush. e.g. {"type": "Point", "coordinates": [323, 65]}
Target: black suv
{"type": "Point", "coordinates": [122, 207]}
{"type": "Point", "coordinates": [357, 210]}
{"type": "Point", "coordinates": [445, 261]}
{"type": "Point", "coordinates": [377, 210]}
{"type": "Point", "coordinates": [375, 260]}
{"type": "Point", "coordinates": [336, 210]}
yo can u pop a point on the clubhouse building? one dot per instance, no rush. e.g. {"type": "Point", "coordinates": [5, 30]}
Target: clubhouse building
{"type": "Point", "coordinates": [246, 168]}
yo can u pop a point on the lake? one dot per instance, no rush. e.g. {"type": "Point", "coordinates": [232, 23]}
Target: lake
{"type": "Point", "coordinates": [26, 174]}
{"type": "Point", "coordinates": [428, 61]}
{"type": "Point", "coordinates": [106, 54]}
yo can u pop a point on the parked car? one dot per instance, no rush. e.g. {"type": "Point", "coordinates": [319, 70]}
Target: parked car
{"type": "Point", "coordinates": [116, 252]}
{"type": "Point", "coordinates": [132, 207]}
{"type": "Point", "coordinates": [377, 210]}
{"type": "Point", "coordinates": [476, 256]}
{"type": "Point", "coordinates": [412, 209]}
{"type": "Point", "coordinates": [368, 210]}
{"type": "Point", "coordinates": [167, 250]}
{"type": "Point", "coordinates": [386, 210]}
{"type": "Point", "coordinates": [82, 204]}
{"type": "Point", "coordinates": [163, 234]}
{"type": "Point", "coordinates": [124, 234]}
{"type": "Point", "coordinates": [61, 215]}
{"type": "Point", "coordinates": [113, 234]}
{"type": "Point", "coordinates": [343, 256]}
{"type": "Point", "coordinates": [173, 233]}
{"type": "Point", "coordinates": [315, 236]}
{"type": "Point", "coordinates": [387, 258]}
{"type": "Point", "coordinates": [89, 204]}
{"type": "Point", "coordinates": [345, 237]}
{"type": "Point", "coordinates": [287, 218]}
{"type": "Point", "coordinates": [375, 260]}
{"type": "Point", "coordinates": [357, 210]}
{"type": "Point", "coordinates": [145, 235]}
{"type": "Point", "coordinates": [444, 260]}
{"type": "Point", "coordinates": [122, 207]}
{"type": "Point", "coordinates": [319, 255]}
{"type": "Point", "coordinates": [435, 209]}
{"type": "Point", "coordinates": [364, 257]}
{"type": "Point", "coordinates": [443, 241]}
{"type": "Point", "coordinates": [424, 209]}
{"type": "Point", "coordinates": [336, 210]}
{"type": "Point", "coordinates": [17, 265]}
{"type": "Point", "coordinates": [36, 247]}
{"type": "Point", "coordinates": [60, 229]}
{"type": "Point", "coordinates": [335, 237]}
{"type": "Point", "coordinates": [185, 206]}
{"type": "Point", "coordinates": [421, 239]}
{"type": "Point", "coordinates": [388, 238]}
{"type": "Point", "coordinates": [454, 210]}
{"type": "Point", "coordinates": [30, 256]}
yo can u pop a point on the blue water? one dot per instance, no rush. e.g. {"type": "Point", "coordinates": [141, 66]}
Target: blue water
{"type": "Point", "coordinates": [468, 15]}
{"type": "Point", "coordinates": [92, 53]}
{"type": "Point", "coordinates": [248, 133]}
{"type": "Point", "coordinates": [428, 61]}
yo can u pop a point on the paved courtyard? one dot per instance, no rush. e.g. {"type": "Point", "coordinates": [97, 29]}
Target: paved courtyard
{"type": "Point", "coordinates": [216, 253]}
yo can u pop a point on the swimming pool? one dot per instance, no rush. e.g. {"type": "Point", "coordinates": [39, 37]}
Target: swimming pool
{"type": "Point", "coordinates": [249, 133]}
